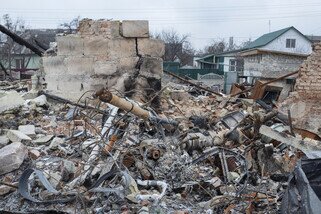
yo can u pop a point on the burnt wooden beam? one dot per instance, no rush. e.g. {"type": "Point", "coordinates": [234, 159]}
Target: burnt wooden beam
{"type": "Point", "coordinates": [21, 41]}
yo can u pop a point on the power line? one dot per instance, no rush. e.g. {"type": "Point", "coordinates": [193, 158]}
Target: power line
{"type": "Point", "coordinates": [211, 18]}
{"type": "Point", "coordinates": [238, 7]}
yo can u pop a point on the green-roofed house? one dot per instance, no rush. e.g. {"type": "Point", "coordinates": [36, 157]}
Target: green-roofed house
{"type": "Point", "coordinates": [275, 54]}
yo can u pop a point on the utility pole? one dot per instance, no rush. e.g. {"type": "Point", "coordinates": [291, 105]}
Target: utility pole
{"type": "Point", "coordinates": [269, 26]}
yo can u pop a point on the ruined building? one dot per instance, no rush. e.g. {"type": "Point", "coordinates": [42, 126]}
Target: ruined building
{"type": "Point", "coordinates": [113, 54]}
{"type": "Point", "coordinates": [305, 103]}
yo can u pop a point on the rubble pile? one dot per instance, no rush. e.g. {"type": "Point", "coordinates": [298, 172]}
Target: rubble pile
{"type": "Point", "coordinates": [106, 136]}
{"type": "Point", "coordinates": [107, 154]}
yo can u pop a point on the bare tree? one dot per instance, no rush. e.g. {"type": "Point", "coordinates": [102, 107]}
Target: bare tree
{"type": "Point", "coordinates": [71, 26]}
{"type": "Point", "coordinates": [215, 47]}
{"type": "Point", "coordinates": [177, 46]}
{"type": "Point", "coordinates": [245, 43]}
{"type": "Point", "coordinates": [8, 47]}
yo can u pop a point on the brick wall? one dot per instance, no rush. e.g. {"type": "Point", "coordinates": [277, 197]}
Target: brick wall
{"type": "Point", "coordinates": [113, 54]}
{"type": "Point", "coordinates": [304, 103]}
{"type": "Point", "coordinates": [308, 84]}
{"type": "Point", "coordinates": [271, 65]}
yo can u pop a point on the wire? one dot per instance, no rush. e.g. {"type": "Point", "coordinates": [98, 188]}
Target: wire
{"type": "Point", "coordinates": [165, 10]}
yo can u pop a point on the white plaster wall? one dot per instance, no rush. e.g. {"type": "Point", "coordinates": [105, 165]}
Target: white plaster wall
{"type": "Point", "coordinates": [227, 63]}
{"type": "Point", "coordinates": [302, 45]}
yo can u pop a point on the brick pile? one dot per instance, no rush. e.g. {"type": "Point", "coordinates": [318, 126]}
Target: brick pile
{"type": "Point", "coordinates": [113, 54]}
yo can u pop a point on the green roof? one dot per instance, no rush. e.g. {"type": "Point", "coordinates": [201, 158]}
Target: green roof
{"type": "Point", "coordinates": [267, 38]}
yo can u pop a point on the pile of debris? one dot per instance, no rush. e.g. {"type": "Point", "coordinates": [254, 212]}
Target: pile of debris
{"type": "Point", "coordinates": [78, 147]}
{"type": "Point", "coordinates": [201, 154]}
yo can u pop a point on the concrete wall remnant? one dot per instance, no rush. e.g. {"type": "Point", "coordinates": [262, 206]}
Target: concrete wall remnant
{"type": "Point", "coordinates": [117, 55]}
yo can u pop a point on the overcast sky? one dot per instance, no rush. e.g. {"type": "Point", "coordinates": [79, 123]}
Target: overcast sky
{"type": "Point", "coordinates": [203, 20]}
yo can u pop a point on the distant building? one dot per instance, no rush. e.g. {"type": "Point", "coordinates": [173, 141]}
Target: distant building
{"type": "Point", "coordinates": [22, 62]}
{"type": "Point", "coordinates": [273, 55]}
{"type": "Point", "coordinates": [224, 62]}
{"type": "Point", "coordinates": [313, 38]}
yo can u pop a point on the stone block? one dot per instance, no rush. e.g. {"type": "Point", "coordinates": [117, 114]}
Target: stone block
{"type": "Point", "coordinates": [96, 45]}
{"type": "Point", "coordinates": [54, 65]}
{"type": "Point", "coordinates": [29, 130]}
{"type": "Point", "coordinates": [119, 48]}
{"type": "Point", "coordinates": [67, 83]}
{"type": "Point", "coordinates": [151, 47]}
{"type": "Point", "coordinates": [135, 28]}
{"type": "Point", "coordinates": [34, 154]}
{"type": "Point", "coordinates": [69, 86]}
{"type": "Point", "coordinates": [17, 136]}
{"type": "Point", "coordinates": [79, 65]}
{"type": "Point", "coordinates": [4, 140]}
{"type": "Point", "coordinates": [105, 28]}
{"type": "Point", "coordinates": [4, 189]}
{"type": "Point", "coordinates": [127, 63]}
{"type": "Point", "coordinates": [10, 100]}
{"type": "Point", "coordinates": [12, 156]}
{"type": "Point", "coordinates": [151, 67]}
{"type": "Point", "coordinates": [43, 140]}
{"type": "Point", "coordinates": [71, 45]}
{"type": "Point", "coordinates": [84, 27]}
{"type": "Point", "coordinates": [109, 29]}
{"type": "Point", "coordinates": [40, 100]}
{"type": "Point", "coordinates": [56, 142]}
{"type": "Point", "coordinates": [105, 67]}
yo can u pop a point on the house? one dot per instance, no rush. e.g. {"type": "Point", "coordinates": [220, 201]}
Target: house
{"type": "Point", "coordinates": [224, 62]}
{"type": "Point", "coordinates": [314, 39]}
{"type": "Point", "coordinates": [19, 61]}
{"type": "Point", "coordinates": [227, 63]}
{"type": "Point", "coordinates": [273, 55]}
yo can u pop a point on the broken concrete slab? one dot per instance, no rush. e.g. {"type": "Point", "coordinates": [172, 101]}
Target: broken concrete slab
{"type": "Point", "coordinates": [17, 136]}
{"type": "Point", "coordinates": [56, 142]}
{"type": "Point", "coordinates": [12, 156]}
{"type": "Point", "coordinates": [10, 100]}
{"type": "Point", "coordinates": [311, 148]}
{"type": "Point", "coordinates": [34, 154]}
{"type": "Point", "coordinates": [29, 130]}
{"type": "Point", "coordinates": [43, 140]}
{"type": "Point", "coordinates": [40, 100]}
{"type": "Point", "coordinates": [134, 28]}
{"type": "Point", "coordinates": [4, 140]}
{"type": "Point", "coordinates": [4, 189]}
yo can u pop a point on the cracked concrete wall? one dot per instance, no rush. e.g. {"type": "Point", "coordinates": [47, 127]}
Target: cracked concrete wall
{"type": "Point", "coordinates": [117, 55]}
